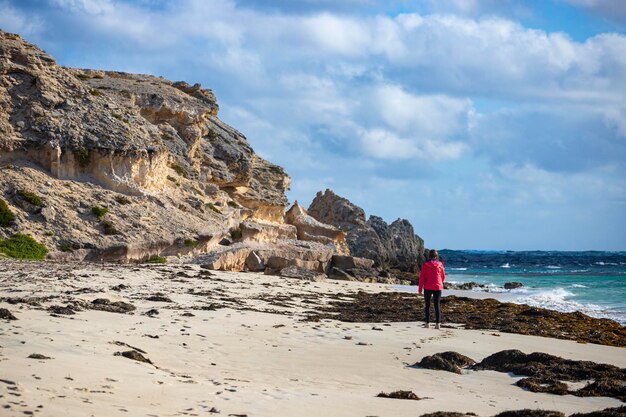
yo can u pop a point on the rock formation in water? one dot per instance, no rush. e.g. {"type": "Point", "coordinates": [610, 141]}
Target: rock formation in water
{"type": "Point", "coordinates": [390, 246]}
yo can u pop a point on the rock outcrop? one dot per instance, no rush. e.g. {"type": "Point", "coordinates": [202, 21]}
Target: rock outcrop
{"type": "Point", "coordinates": [124, 166]}
{"type": "Point", "coordinates": [389, 246]}
{"type": "Point", "coordinates": [103, 165]}
{"type": "Point", "coordinates": [308, 228]}
{"type": "Point", "coordinates": [269, 257]}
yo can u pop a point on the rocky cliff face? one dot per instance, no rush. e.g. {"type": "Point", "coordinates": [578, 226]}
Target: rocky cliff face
{"type": "Point", "coordinates": [390, 246]}
{"type": "Point", "coordinates": [170, 175]}
{"type": "Point", "coordinates": [101, 165]}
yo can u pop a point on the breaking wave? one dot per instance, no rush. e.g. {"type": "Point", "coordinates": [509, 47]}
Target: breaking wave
{"type": "Point", "coordinates": [558, 299]}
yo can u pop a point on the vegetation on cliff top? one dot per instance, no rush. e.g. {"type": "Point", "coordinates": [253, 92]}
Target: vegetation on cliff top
{"type": "Point", "coordinates": [179, 170]}
{"type": "Point", "coordinates": [6, 215]}
{"type": "Point", "coordinates": [192, 243]}
{"type": "Point", "coordinates": [99, 212]}
{"type": "Point", "coordinates": [31, 197]}
{"type": "Point", "coordinates": [23, 247]}
{"type": "Point", "coordinates": [212, 207]}
{"type": "Point", "coordinates": [156, 259]}
{"type": "Point", "coordinates": [82, 156]}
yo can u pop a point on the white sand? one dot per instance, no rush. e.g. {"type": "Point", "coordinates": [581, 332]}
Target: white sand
{"type": "Point", "coordinates": [238, 361]}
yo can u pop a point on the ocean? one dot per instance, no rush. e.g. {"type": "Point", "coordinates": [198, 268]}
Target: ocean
{"type": "Point", "coordinates": [593, 282]}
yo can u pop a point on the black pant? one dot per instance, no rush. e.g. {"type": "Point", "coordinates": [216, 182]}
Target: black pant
{"type": "Point", "coordinates": [436, 295]}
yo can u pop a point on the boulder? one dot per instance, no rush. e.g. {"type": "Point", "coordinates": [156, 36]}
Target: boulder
{"type": "Point", "coordinates": [462, 286]}
{"type": "Point", "coordinates": [365, 275]}
{"type": "Point", "coordinates": [389, 246]}
{"type": "Point", "coordinates": [350, 262]}
{"type": "Point", "coordinates": [512, 285]}
{"type": "Point", "coordinates": [261, 231]}
{"type": "Point", "coordinates": [308, 228]}
{"type": "Point", "coordinates": [254, 263]}
{"type": "Point", "coordinates": [273, 255]}
{"type": "Point", "coordinates": [233, 258]}
{"type": "Point", "coordinates": [336, 273]}
{"type": "Point", "coordinates": [302, 273]}
{"type": "Point", "coordinates": [277, 262]}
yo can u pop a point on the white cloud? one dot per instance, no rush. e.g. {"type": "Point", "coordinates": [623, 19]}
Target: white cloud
{"type": "Point", "coordinates": [610, 9]}
{"type": "Point", "coordinates": [433, 115]}
{"type": "Point", "coordinates": [13, 20]}
{"type": "Point", "coordinates": [92, 7]}
{"type": "Point", "coordinates": [339, 98]}
{"type": "Point", "coordinates": [336, 35]}
{"type": "Point", "coordinates": [532, 184]}
{"type": "Point", "coordinates": [383, 144]}
{"type": "Point", "coordinates": [567, 137]}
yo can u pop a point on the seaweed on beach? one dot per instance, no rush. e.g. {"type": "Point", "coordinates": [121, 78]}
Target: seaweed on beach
{"type": "Point", "coordinates": [104, 304]}
{"type": "Point", "coordinates": [134, 355]}
{"type": "Point", "coordinates": [546, 373]}
{"type": "Point", "coordinates": [5, 314]}
{"type": "Point", "coordinates": [400, 395]}
{"type": "Point", "coordinates": [476, 314]}
{"type": "Point", "coordinates": [446, 361]}
{"type": "Point", "coordinates": [530, 413]}
{"type": "Point", "coordinates": [607, 412]}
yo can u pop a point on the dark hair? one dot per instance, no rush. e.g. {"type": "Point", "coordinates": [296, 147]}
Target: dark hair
{"type": "Point", "coordinates": [433, 254]}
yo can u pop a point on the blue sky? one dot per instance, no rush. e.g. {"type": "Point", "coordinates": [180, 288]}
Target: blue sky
{"type": "Point", "coordinates": [493, 124]}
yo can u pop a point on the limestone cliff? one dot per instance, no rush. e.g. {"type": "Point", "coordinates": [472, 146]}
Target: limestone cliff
{"type": "Point", "coordinates": [123, 165]}
{"type": "Point", "coordinates": [389, 246]}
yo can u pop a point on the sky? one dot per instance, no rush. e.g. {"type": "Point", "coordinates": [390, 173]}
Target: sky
{"type": "Point", "coordinates": [488, 124]}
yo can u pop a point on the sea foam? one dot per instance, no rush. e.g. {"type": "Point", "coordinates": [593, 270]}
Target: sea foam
{"type": "Point", "coordinates": [557, 299]}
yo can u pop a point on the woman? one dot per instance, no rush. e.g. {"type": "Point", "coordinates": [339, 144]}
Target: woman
{"type": "Point", "coordinates": [431, 281]}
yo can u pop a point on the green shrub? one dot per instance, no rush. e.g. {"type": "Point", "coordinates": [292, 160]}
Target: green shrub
{"type": "Point", "coordinates": [233, 204]}
{"type": "Point", "coordinates": [235, 234]}
{"type": "Point", "coordinates": [211, 206]}
{"type": "Point", "coordinates": [174, 180]}
{"type": "Point", "coordinates": [109, 229]}
{"type": "Point", "coordinates": [96, 93]}
{"type": "Point", "coordinates": [179, 170]}
{"type": "Point", "coordinates": [49, 233]}
{"type": "Point", "coordinates": [82, 156]}
{"type": "Point", "coordinates": [156, 259]}
{"type": "Point", "coordinates": [66, 247]}
{"type": "Point", "coordinates": [83, 77]}
{"type": "Point", "coordinates": [166, 136]}
{"type": "Point", "coordinates": [31, 197]}
{"type": "Point", "coordinates": [191, 243]}
{"type": "Point", "coordinates": [23, 247]}
{"type": "Point", "coordinates": [121, 118]}
{"type": "Point", "coordinates": [99, 212]}
{"type": "Point", "coordinates": [6, 215]}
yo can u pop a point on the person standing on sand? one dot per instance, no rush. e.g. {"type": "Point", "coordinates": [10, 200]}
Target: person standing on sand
{"type": "Point", "coordinates": [431, 280]}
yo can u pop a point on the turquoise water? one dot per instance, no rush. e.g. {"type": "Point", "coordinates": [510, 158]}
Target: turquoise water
{"type": "Point", "coordinates": [591, 282]}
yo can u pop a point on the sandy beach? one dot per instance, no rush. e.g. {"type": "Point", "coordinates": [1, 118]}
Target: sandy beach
{"type": "Point", "coordinates": [236, 344]}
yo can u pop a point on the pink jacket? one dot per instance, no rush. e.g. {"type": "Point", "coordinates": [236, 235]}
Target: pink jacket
{"type": "Point", "coordinates": [432, 276]}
